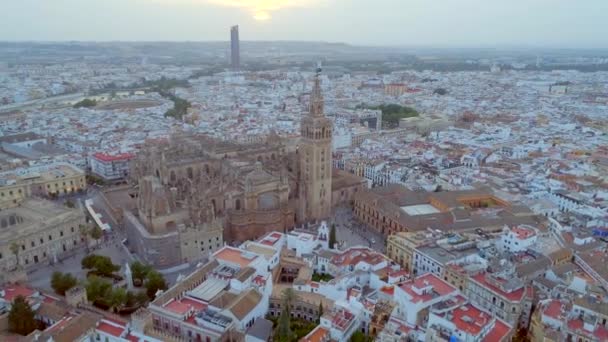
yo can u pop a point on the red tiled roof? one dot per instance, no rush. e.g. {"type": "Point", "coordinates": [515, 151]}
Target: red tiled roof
{"type": "Point", "coordinates": [353, 256]}
{"type": "Point", "coordinates": [110, 329]}
{"type": "Point", "coordinates": [470, 319]}
{"type": "Point", "coordinates": [577, 325]}
{"type": "Point", "coordinates": [234, 256]}
{"type": "Point", "coordinates": [182, 306]}
{"type": "Point", "coordinates": [553, 309]}
{"type": "Point", "coordinates": [389, 290]}
{"type": "Point", "coordinates": [523, 233]}
{"type": "Point", "coordinates": [431, 281]}
{"type": "Point", "coordinates": [498, 332]}
{"type": "Point", "coordinates": [12, 291]}
{"type": "Point", "coordinates": [318, 334]}
{"type": "Point", "coordinates": [104, 157]}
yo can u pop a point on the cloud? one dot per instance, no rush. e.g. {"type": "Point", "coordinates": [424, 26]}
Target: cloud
{"type": "Point", "coordinates": [260, 9]}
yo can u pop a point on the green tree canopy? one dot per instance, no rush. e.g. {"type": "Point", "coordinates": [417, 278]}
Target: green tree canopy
{"type": "Point", "coordinates": [139, 270]}
{"type": "Point", "coordinates": [87, 103]}
{"type": "Point", "coordinates": [61, 282]}
{"type": "Point", "coordinates": [392, 113]}
{"type": "Point", "coordinates": [358, 336]}
{"type": "Point", "coordinates": [155, 282]}
{"type": "Point", "coordinates": [101, 264]}
{"type": "Point", "coordinates": [21, 318]}
{"type": "Point", "coordinates": [141, 298]}
{"type": "Point", "coordinates": [97, 288]}
{"type": "Point", "coordinates": [96, 233]}
{"type": "Point", "coordinates": [116, 297]}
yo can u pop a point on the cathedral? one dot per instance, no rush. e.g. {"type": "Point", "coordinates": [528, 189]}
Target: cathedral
{"type": "Point", "coordinates": [193, 192]}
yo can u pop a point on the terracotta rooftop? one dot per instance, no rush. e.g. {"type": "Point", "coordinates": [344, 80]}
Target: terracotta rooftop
{"type": "Point", "coordinates": [12, 291]}
{"type": "Point", "coordinates": [426, 288]}
{"type": "Point", "coordinates": [234, 256]}
{"type": "Point", "coordinates": [110, 329]}
{"type": "Point", "coordinates": [470, 319]}
{"type": "Point", "coordinates": [498, 333]}
{"type": "Point", "coordinates": [183, 305]}
{"type": "Point", "coordinates": [523, 233]}
{"type": "Point", "coordinates": [318, 334]}
{"type": "Point", "coordinates": [353, 256]}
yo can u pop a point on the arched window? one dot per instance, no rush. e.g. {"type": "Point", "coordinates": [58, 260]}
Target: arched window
{"type": "Point", "coordinates": [173, 177]}
{"type": "Point", "coordinates": [323, 132]}
{"type": "Point", "coordinates": [237, 204]}
{"type": "Point", "coordinates": [190, 173]}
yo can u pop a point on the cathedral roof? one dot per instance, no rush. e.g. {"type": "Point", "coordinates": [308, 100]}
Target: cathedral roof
{"type": "Point", "coordinates": [259, 175]}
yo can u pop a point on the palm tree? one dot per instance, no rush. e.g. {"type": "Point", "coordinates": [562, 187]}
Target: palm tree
{"type": "Point", "coordinates": [15, 249]}
{"type": "Point", "coordinates": [289, 296]}
{"type": "Point", "coordinates": [284, 328]}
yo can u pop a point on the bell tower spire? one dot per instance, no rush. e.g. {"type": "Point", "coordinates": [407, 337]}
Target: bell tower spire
{"type": "Point", "coordinates": [315, 158]}
{"type": "Point", "coordinates": [317, 103]}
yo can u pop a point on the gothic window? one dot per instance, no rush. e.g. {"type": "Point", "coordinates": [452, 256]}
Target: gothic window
{"type": "Point", "coordinates": [157, 175]}
{"type": "Point", "coordinates": [237, 204]}
{"type": "Point", "coordinates": [173, 177]}
{"type": "Point", "coordinates": [190, 173]}
{"type": "Point", "coordinates": [323, 132]}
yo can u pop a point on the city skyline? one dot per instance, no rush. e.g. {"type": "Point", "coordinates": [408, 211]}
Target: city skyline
{"type": "Point", "coordinates": [466, 23]}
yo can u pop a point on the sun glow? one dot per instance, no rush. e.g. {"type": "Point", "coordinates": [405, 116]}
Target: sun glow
{"type": "Point", "coordinates": [261, 10]}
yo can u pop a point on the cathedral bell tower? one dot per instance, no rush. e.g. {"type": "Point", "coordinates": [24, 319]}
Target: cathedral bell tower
{"type": "Point", "coordinates": [315, 158]}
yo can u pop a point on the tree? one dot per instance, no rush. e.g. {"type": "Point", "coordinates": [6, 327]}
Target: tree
{"type": "Point", "coordinates": [87, 103]}
{"type": "Point", "coordinates": [97, 288]}
{"type": "Point", "coordinates": [70, 204]}
{"type": "Point", "coordinates": [105, 267]}
{"type": "Point", "coordinates": [116, 298]}
{"type": "Point", "coordinates": [15, 250]}
{"type": "Point", "coordinates": [21, 318]}
{"type": "Point", "coordinates": [284, 328]}
{"type": "Point", "coordinates": [88, 262]}
{"type": "Point", "coordinates": [358, 336]}
{"type": "Point", "coordinates": [101, 264]}
{"type": "Point", "coordinates": [96, 233]}
{"type": "Point", "coordinates": [140, 271]}
{"type": "Point", "coordinates": [155, 282]}
{"type": "Point", "coordinates": [332, 236]}
{"type": "Point", "coordinates": [289, 296]}
{"type": "Point", "coordinates": [61, 282]}
{"type": "Point", "coordinates": [141, 298]}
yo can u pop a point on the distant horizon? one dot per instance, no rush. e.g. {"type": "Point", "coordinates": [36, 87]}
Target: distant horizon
{"type": "Point", "coordinates": [401, 23]}
{"type": "Point", "coordinates": [227, 41]}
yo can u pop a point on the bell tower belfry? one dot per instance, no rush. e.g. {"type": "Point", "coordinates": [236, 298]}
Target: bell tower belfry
{"type": "Point", "coordinates": [315, 158]}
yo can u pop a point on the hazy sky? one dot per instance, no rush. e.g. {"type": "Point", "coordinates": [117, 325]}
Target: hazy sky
{"type": "Point", "coordinates": [544, 23]}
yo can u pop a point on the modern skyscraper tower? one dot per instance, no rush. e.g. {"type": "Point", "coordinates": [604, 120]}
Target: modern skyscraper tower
{"type": "Point", "coordinates": [235, 49]}
{"type": "Point", "coordinates": [315, 157]}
